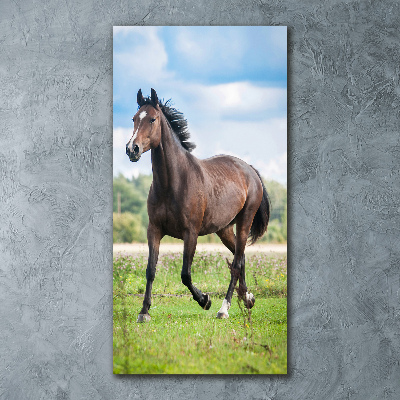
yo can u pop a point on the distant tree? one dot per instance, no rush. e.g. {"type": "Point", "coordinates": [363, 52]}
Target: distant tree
{"type": "Point", "coordinates": [284, 223]}
{"type": "Point", "coordinates": [278, 196]}
{"type": "Point", "coordinates": [128, 228]}
{"type": "Point", "coordinates": [132, 200]}
{"type": "Point", "coordinates": [142, 183]}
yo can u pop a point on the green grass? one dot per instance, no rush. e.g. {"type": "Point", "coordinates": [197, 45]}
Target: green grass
{"type": "Point", "coordinates": [181, 338]}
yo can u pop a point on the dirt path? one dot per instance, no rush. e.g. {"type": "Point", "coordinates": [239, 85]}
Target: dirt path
{"type": "Point", "coordinates": [142, 248]}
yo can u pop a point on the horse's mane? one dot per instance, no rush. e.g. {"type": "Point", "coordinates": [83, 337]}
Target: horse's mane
{"type": "Point", "coordinates": [176, 120]}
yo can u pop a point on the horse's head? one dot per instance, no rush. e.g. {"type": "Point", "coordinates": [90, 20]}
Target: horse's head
{"type": "Point", "coordinates": [147, 126]}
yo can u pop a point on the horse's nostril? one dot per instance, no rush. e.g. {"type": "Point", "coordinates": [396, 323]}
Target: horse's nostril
{"type": "Point", "coordinates": [127, 150]}
{"type": "Point", "coordinates": [136, 149]}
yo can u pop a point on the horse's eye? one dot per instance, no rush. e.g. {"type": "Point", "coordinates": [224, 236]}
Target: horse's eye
{"type": "Point", "coordinates": [152, 120]}
{"type": "Point", "coordinates": [133, 119]}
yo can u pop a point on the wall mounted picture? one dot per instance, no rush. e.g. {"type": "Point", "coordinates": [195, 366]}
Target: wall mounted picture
{"type": "Point", "coordinates": [199, 200]}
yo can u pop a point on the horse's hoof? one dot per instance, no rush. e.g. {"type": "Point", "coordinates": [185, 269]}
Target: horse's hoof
{"type": "Point", "coordinates": [223, 311]}
{"type": "Point", "coordinates": [143, 318]}
{"type": "Point", "coordinates": [208, 303]}
{"type": "Point", "coordinates": [250, 300]}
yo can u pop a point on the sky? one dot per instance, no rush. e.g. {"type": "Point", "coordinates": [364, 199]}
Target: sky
{"type": "Point", "coordinates": [229, 82]}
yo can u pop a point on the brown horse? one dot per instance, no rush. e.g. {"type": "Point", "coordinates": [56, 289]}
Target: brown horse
{"type": "Point", "coordinates": [191, 197]}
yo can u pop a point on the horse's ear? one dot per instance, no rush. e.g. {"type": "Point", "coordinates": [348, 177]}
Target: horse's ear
{"type": "Point", "coordinates": [140, 99]}
{"type": "Point", "coordinates": [154, 98]}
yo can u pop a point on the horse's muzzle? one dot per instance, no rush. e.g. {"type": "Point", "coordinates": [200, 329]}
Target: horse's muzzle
{"type": "Point", "coordinates": [135, 154]}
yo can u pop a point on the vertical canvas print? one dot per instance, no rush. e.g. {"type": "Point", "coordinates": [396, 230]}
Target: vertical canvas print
{"type": "Point", "coordinates": [199, 200]}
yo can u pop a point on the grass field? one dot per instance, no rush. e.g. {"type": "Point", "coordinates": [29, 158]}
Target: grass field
{"type": "Point", "coordinates": [181, 338]}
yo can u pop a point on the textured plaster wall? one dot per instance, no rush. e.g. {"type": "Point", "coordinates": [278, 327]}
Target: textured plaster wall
{"type": "Point", "coordinates": [56, 191]}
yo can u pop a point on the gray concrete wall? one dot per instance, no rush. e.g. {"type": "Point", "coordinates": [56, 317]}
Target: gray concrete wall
{"type": "Point", "coordinates": [56, 199]}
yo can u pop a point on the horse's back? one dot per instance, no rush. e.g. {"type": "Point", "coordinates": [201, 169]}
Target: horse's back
{"type": "Point", "coordinates": [229, 168]}
{"type": "Point", "coordinates": [229, 181]}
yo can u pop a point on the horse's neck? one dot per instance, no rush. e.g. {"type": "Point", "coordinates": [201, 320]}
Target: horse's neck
{"type": "Point", "coordinates": [168, 159]}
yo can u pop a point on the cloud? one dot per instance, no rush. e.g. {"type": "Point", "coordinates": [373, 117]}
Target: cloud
{"type": "Point", "coordinates": [239, 99]}
{"type": "Point", "coordinates": [255, 142]}
{"type": "Point", "coordinates": [144, 58]}
{"type": "Point", "coordinates": [220, 48]}
{"type": "Point", "coordinates": [223, 53]}
{"type": "Point", "coordinates": [275, 168]}
{"type": "Point", "coordinates": [121, 137]}
{"type": "Point", "coordinates": [229, 101]}
{"type": "Point", "coordinates": [128, 171]}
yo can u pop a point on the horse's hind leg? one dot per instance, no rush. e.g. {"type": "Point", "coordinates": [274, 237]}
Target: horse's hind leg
{"type": "Point", "coordinates": [190, 242]}
{"type": "Point", "coordinates": [236, 246]}
{"type": "Point", "coordinates": [228, 238]}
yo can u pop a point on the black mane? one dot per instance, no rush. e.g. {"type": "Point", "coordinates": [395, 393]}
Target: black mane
{"type": "Point", "coordinates": [176, 120]}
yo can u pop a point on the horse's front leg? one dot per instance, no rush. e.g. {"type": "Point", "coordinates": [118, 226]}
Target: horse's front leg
{"type": "Point", "coordinates": [190, 242]}
{"type": "Point", "coordinates": [154, 238]}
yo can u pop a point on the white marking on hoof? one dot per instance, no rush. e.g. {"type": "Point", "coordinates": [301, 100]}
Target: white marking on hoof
{"type": "Point", "coordinates": [142, 114]}
{"type": "Point", "coordinates": [250, 299]}
{"type": "Point", "coordinates": [249, 296]}
{"type": "Point", "coordinates": [143, 318]}
{"type": "Point", "coordinates": [223, 311]}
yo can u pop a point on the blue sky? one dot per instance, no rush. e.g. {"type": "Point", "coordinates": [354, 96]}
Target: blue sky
{"type": "Point", "coordinates": [229, 82]}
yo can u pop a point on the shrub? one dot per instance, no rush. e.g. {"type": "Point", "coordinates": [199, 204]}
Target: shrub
{"type": "Point", "coordinates": [128, 228]}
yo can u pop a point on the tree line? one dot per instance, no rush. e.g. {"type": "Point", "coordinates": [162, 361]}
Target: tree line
{"type": "Point", "coordinates": [130, 219]}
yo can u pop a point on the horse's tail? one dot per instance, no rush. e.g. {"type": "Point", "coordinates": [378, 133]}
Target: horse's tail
{"type": "Point", "coordinates": [261, 219]}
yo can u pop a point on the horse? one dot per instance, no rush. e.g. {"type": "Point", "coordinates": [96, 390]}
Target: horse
{"type": "Point", "coordinates": [191, 197]}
